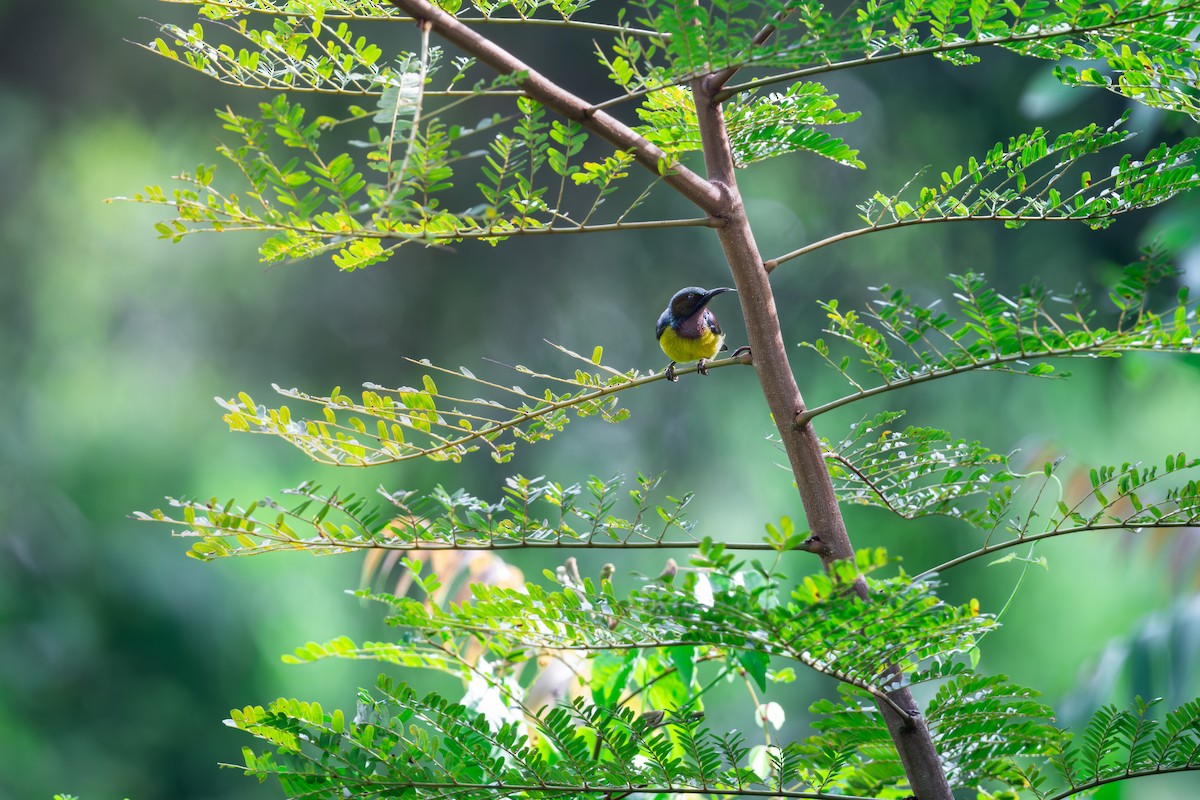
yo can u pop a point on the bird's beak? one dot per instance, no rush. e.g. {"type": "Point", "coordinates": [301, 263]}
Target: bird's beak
{"type": "Point", "coordinates": [711, 293]}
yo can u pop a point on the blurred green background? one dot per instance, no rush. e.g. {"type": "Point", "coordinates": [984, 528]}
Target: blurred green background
{"type": "Point", "coordinates": [119, 657]}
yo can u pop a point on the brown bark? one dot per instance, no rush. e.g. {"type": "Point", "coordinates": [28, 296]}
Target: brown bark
{"type": "Point", "coordinates": [828, 538]}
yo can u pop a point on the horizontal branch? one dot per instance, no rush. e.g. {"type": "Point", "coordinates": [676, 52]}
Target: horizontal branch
{"type": "Point", "coordinates": [1017, 334]}
{"type": "Point", "coordinates": [772, 263]}
{"type": "Point", "coordinates": [439, 439]}
{"type": "Point", "coordinates": [805, 72]}
{"type": "Point", "coordinates": [231, 221]}
{"type": "Point", "coordinates": [277, 543]}
{"type": "Point", "coordinates": [985, 364]}
{"type": "Point", "coordinates": [987, 550]}
{"type": "Point", "coordinates": [949, 47]}
{"type": "Point", "coordinates": [609, 227]}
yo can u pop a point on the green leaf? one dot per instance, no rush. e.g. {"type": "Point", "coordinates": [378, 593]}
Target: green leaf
{"type": "Point", "coordinates": [684, 659]}
{"type": "Point", "coordinates": [755, 664]}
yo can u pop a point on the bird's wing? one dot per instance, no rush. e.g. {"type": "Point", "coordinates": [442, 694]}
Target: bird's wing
{"type": "Point", "coordinates": [710, 321]}
{"type": "Point", "coordinates": [664, 320]}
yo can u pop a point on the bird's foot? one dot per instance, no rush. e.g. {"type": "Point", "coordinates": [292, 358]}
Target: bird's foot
{"type": "Point", "coordinates": [702, 367]}
{"type": "Point", "coordinates": [744, 350]}
{"type": "Point", "coordinates": [669, 372]}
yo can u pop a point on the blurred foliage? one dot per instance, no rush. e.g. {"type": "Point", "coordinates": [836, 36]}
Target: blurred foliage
{"type": "Point", "coordinates": [121, 658]}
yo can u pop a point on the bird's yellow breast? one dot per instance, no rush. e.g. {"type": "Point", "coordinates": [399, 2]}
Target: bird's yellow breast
{"type": "Point", "coordinates": [678, 348]}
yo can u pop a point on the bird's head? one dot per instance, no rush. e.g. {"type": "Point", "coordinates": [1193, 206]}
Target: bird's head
{"type": "Point", "coordinates": [689, 301]}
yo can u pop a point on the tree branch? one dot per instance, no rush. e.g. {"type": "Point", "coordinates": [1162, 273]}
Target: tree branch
{"type": "Point", "coordinates": [988, 549]}
{"type": "Point", "coordinates": [772, 263]}
{"type": "Point", "coordinates": [702, 193]}
{"type": "Point", "coordinates": [981, 364]}
{"type": "Point", "coordinates": [334, 442]}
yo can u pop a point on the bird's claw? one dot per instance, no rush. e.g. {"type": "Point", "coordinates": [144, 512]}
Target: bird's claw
{"type": "Point", "coordinates": [702, 367]}
{"type": "Point", "coordinates": [669, 372]}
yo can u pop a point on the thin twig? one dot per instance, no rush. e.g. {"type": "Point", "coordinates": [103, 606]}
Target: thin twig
{"type": "Point", "coordinates": [1037, 537]}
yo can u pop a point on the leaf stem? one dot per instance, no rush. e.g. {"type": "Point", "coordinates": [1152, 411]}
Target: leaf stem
{"type": "Point", "coordinates": [980, 364]}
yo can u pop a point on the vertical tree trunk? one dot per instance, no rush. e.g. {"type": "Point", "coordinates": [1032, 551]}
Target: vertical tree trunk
{"type": "Point", "coordinates": [828, 539]}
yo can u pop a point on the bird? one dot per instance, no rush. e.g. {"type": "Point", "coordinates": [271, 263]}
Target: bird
{"type": "Point", "coordinates": [688, 331]}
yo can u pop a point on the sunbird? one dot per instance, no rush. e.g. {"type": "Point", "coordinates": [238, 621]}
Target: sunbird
{"type": "Point", "coordinates": [688, 331]}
